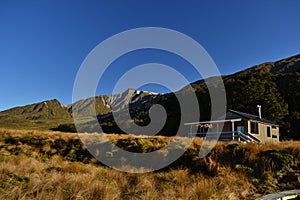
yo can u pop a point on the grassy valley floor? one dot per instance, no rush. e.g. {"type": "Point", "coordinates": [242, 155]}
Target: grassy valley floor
{"type": "Point", "coordinates": [54, 165]}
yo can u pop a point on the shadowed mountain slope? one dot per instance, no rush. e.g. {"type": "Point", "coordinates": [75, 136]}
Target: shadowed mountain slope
{"type": "Point", "coordinates": [274, 85]}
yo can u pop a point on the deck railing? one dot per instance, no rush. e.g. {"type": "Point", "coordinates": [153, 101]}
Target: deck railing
{"type": "Point", "coordinates": [226, 136]}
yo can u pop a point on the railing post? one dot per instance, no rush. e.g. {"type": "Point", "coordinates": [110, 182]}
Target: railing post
{"type": "Point", "coordinates": [232, 128]}
{"type": "Point", "coordinates": [191, 131]}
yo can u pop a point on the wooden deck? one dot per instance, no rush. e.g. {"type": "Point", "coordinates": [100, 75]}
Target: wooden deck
{"type": "Point", "coordinates": [226, 136]}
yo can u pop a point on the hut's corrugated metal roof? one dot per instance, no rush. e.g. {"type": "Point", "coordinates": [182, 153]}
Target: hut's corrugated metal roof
{"type": "Point", "coordinates": [247, 116]}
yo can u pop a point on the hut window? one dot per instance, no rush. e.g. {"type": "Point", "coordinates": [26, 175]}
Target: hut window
{"type": "Point", "coordinates": [274, 136]}
{"type": "Point", "coordinates": [268, 131]}
{"type": "Point", "coordinates": [254, 127]}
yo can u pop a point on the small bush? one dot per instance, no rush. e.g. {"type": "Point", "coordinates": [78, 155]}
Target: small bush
{"type": "Point", "coordinates": [275, 160]}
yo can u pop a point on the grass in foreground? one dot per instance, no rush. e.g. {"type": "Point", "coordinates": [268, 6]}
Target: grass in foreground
{"type": "Point", "coordinates": [49, 165]}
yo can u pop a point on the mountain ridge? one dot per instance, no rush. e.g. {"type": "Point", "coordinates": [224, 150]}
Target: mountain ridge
{"type": "Point", "coordinates": [281, 75]}
{"type": "Point", "coordinates": [272, 67]}
{"type": "Point", "coordinates": [54, 110]}
{"type": "Point", "coordinates": [285, 65]}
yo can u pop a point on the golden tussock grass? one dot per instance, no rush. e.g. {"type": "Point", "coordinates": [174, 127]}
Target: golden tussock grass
{"type": "Point", "coordinates": [28, 178]}
{"type": "Point", "coordinates": [53, 165]}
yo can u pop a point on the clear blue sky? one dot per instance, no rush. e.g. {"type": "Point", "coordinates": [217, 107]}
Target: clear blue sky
{"type": "Point", "coordinates": [43, 43]}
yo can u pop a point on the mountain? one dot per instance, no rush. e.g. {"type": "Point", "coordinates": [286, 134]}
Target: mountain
{"type": "Point", "coordinates": [283, 66]}
{"type": "Point", "coordinates": [116, 102]}
{"type": "Point", "coordinates": [50, 114]}
{"type": "Point", "coordinates": [45, 110]}
{"type": "Point", "coordinates": [274, 85]}
{"type": "Point", "coordinates": [42, 115]}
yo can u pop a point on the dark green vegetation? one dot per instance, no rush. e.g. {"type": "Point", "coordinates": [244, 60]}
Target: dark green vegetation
{"type": "Point", "coordinates": [39, 165]}
{"type": "Point", "coordinates": [274, 85]}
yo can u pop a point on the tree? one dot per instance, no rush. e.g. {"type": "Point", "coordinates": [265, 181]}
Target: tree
{"type": "Point", "coordinates": [247, 91]}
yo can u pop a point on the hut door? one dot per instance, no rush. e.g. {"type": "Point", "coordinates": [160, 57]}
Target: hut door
{"type": "Point", "coordinates": [240, 129]}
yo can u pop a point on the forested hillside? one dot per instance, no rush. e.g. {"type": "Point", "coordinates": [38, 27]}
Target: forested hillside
{"type": "Point", "coordinates": [274, 85]}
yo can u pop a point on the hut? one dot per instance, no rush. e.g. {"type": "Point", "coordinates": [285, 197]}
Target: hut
{"type": "Point", "coordinates": [237, 126]}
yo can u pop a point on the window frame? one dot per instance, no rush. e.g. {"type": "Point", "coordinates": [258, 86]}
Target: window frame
{"type": "Point", "coordinates": [254, 127]}
{"type": "Point", "coordinates": [268, 131]}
